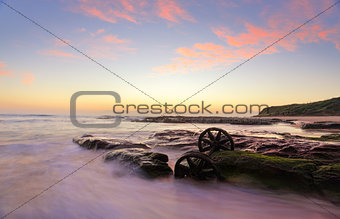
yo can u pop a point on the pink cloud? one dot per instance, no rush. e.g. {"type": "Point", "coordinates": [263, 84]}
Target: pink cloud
{"type": "Point", "coordinates": [199, 57]}
{"type": "Point", "coordinates": [134, 11]}
{"type": "Point", "coordinates": [27, 78]}
{"type": "Point", "coordinates": [58, 53]}
{"type": "Point", "coordinates": [279, 24]}
{"type": "Point", "coordinates": [106, 46]}
{"type": "Point", "coordinates": [254, 36]}
{"type": "Point", "coordinates": [187, 52]}
{"type": "Point", "coordinates": [94, 12]}
{"type": "Point", "coordinates": [170, 10]}
{"type": "Point", "coordinates": [3, 71]}
{"type": "Point", "coordinates": [115, 39]}
{"type": "Point", "coordinates": [208, 46]}
{"type": "Point", "coordinates": [245, 44]}
{"type": "Point", "coordinates": [128, 5]}
{"type": "Point", "coordinates": [95, 44]}
{"type": "Point", "coordinates": [332, 35]}
{"type": "Point", "coordinates": [100, 31]}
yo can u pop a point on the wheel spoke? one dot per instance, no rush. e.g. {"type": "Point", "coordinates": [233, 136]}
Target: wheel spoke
{"type": "Point", "coordinates": [211, 136]}
{"type": "Point", "coordinates": [218, 136]}
{"type": "Point", "coordinates": [200, 165]}
{"type": "Point", "coordinates": [223, 141]}
{"type": "Point", "coordinates": [191, 163]}
{"type": "Point", "coordinates": [185, 169]}
{"type": "Point", "coordinates": [207, 141]}
{"type": "Point", "coordinates": [206, 149]}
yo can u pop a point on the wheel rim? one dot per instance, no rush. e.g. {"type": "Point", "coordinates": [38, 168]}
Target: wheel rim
{"type": "Point", "coordinates": [196, 165]}
{"type": "Point", "coordinates": [215, 139]}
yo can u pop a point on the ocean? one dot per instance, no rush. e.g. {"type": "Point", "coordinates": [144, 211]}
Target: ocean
{"type": "Point", "coordinates": [37, 152]}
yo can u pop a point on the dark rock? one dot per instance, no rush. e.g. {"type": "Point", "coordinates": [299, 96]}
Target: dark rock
{"type": "Point", "coordinates": [160, 156]}
{"type": "Point", "coordinates": [209, 119]}
{"type": "Point", "coordinates": [290, 146]}
{"type": "Point", "coordinates": [266, 147]}
{"type": "Point", "coordinates": [91, 142]}
{"type": "Point", "coordinates": [289, 149]}
{"type": "Point", "coordinates": [243, 143]}
{"type": "Point", "coordinates": [276, 172]}
{"type": "Point", "coordinates": [327, 148]}
{"type": "Point", "coordinates": [321, 125]}
{"type": "Point", "coordinates": [166, 134]}
{"type": "Point", "coordinates": [183, 140]}
{"type": "Point", "coordinates": [327, 153]}
{"type": "Point", "coordinates": [327, 178]}
{"type": "Point", "coordinates": [86, 135]}
{"type": "Point", "coordinates": [140, 161]}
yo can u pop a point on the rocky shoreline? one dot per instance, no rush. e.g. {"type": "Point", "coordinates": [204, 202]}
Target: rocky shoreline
{"type": "Point", "coordinates": [211, 119]}
{"type": "Point", "coordinates": [291, 162]}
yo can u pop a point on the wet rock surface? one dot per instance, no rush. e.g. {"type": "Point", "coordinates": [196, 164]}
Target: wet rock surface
{"type": "Point", "coordinates": [210, 119]}
{"type": "Point", "coordinates": [135, 156]}
{"type": "Point", "coordinates": [289, 162]}
{"type": "Point", "coordinates": [287, 146]}
{"type": "Point", "coordinates": [92, 142]}
{"type": "Point", "coordinates": [182, 140]}
{"type": "Point", "coordinates": [140, 161]}
{"type": "Point", "coordinates": [321, 125]}
{"type": "Point", "coordinates": [304, 175]}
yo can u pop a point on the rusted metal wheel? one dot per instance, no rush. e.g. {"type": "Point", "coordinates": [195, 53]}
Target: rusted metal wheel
{"type": "Point", "coordinates": [215, 139]}
{"type": "Point", "coordinates": [196, 165]}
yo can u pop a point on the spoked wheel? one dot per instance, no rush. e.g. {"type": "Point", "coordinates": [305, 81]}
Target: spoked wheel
{"type": "Point", "coordinates": [196, 165]}
{"type": "Point", "coordinates": [215, 139]}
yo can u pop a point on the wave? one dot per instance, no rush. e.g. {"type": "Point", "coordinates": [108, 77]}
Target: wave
{"type": "Point", "coordinates": [26, 115]}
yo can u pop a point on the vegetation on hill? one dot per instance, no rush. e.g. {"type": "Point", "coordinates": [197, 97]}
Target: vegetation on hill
{"type": "Point", "coordinates": [329, 107]}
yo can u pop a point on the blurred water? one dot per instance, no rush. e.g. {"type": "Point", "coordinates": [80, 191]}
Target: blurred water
{"type": "Point", "coordinates": [37, 150]}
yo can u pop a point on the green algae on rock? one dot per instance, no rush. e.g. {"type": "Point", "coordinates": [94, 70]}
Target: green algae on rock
{"type": "Point", "coordinates": [332, 137]}
{"type": "Point", "coordinates": [303, 175]}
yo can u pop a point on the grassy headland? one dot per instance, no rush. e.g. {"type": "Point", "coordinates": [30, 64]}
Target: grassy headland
{"type": "Point", "coordinates": [329, 107]}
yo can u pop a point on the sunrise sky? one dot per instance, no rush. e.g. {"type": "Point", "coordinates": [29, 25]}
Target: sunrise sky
{"type": "Point", "coordinates": [169, 49]}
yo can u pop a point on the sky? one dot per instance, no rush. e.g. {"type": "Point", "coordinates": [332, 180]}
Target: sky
{"type": "Point", "coordinates": [167, 49]}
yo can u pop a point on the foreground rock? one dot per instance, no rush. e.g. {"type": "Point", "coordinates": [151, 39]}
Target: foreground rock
{"type": "Point", "coordinates": [140, 161]}
{"type": "Point", "coordinates": [276, 172]}
{"type": "Point", "coordinates": [92, 142]}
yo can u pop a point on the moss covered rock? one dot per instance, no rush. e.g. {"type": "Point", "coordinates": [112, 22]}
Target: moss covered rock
{"type": "Point", "coordinates": [327, 178]}
{"type": "Point", "coordinates": [303, 175]}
